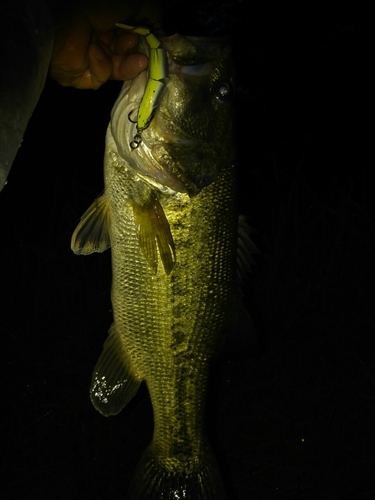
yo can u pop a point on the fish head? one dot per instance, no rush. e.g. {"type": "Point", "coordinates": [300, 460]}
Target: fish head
{"type": "Point", "coordinates": [190, 138]}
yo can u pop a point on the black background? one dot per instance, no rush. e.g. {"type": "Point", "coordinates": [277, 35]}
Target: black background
{"type": "Point", "coordinates": [293, 418]}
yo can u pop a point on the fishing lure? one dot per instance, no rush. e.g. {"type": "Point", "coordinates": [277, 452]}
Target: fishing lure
{"type": "Point", "coordinates": [157, 72]}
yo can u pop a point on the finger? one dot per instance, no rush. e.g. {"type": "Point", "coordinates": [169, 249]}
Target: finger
{"type": "Point", "coordinates": [126, 62]}
{"type": "Point", "coordinates": [70, 57]}
{"type": "Point", "coordinates": [105, 65]}
{"type": "Point", "coordinates": [124, 43]}
{"type": "Point", "coordinates": [127, 67]}
{"type": "Point", "coordinates": [100, 67]}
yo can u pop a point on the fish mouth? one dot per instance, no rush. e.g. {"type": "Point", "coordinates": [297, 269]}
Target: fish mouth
{"type": "Point", "coordinates": [146, 161]}
{"type": "Point", "coordinates": [182, 166]}
{"type": "Point", "coordinates": [166, 172]}
{"type": "Point", "coordinates": [158, 170]}
{"type": "Point", "coordinates": [174, 152]}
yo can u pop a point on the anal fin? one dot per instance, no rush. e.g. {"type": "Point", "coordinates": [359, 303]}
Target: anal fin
{"type": "Point", "coordinates": [114, 382]}
{"type": "Point", "coordinates": [92, 233]}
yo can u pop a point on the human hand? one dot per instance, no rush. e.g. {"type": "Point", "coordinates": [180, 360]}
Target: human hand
{"type": "Point", "coordinates": [89, 49]}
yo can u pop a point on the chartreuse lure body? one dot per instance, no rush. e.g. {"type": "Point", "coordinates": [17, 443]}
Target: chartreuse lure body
{"type": "Point", "coordinates": [157, 72]}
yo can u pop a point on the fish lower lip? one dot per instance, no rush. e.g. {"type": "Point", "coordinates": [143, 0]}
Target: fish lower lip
{"type": "Point", "coordinates": [177, 136]}
{"type": "Point", "coordinates": [170, 173]}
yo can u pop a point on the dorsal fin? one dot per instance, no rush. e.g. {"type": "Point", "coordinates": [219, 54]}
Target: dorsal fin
{"type": "Point", "coordinates": [245, 249]}
{"type": "Point", "coordinates": [153, 229]}
{"type": "Point", "coordinates": [92, 233]}
{"type": "Point", "coordinates": [244, 336]}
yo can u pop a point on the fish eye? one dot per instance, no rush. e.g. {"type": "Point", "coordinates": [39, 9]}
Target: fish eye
{"type": "Point", "coordinates": [224, 91]}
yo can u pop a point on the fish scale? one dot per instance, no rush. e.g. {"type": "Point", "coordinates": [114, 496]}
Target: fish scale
{"type": "Point", "coordinates": [203, 286]}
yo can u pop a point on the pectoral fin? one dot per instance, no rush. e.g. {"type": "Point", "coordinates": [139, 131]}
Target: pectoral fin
{"type": "Point", "coordinates": [153, 229]}
{"type": "Point", "coordinates": [92, 233]}
{"type": "Point", "coordinates": [114, 382]}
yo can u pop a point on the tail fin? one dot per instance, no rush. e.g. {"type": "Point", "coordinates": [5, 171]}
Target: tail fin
{"type": "Point", "coordinates": [160, 478]}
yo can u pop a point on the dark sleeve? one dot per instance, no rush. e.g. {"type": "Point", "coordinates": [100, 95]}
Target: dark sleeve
{"type": "Point", "coordinates": [26, 43]}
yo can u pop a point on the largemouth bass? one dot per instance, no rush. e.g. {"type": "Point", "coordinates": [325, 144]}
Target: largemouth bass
{"type": "Point", "coordinates": [168, 213]}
